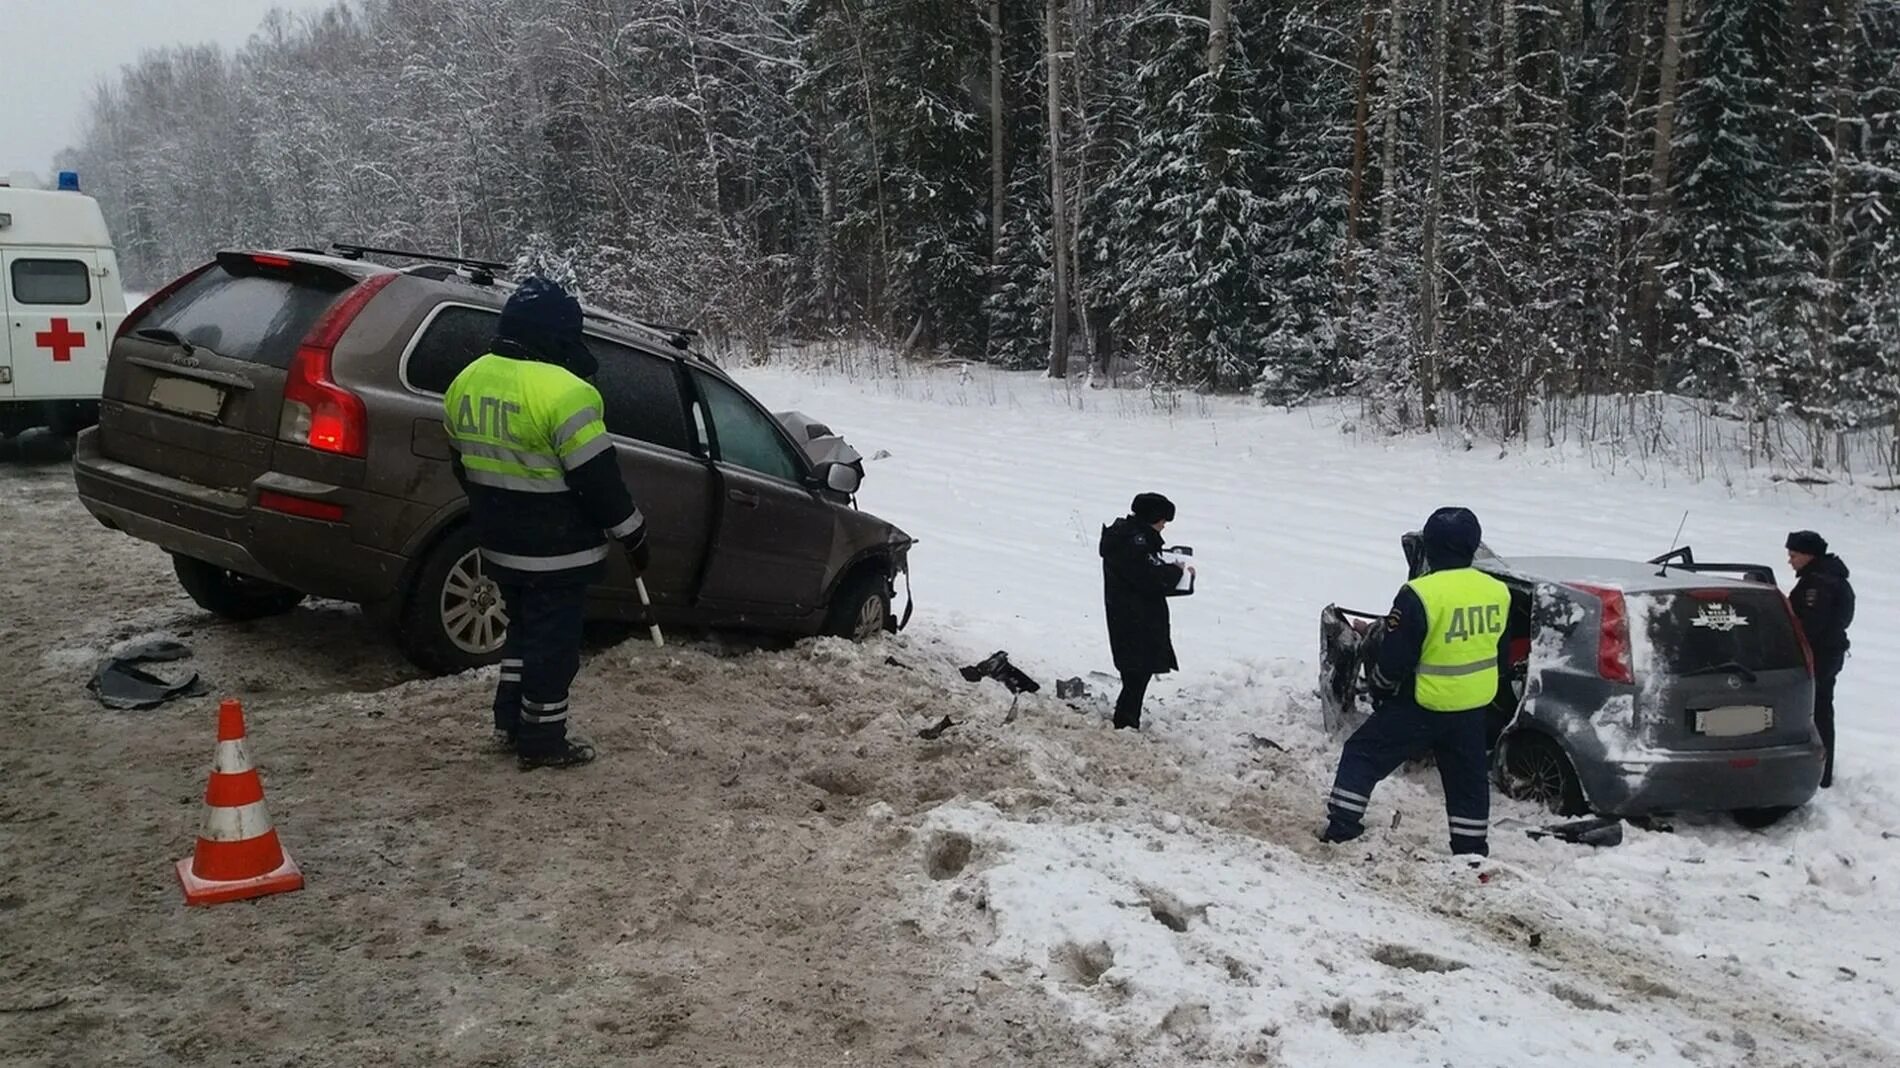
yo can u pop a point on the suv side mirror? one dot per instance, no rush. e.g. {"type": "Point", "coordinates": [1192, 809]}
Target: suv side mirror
{"type": "Point", "coordinates": [839, 478]}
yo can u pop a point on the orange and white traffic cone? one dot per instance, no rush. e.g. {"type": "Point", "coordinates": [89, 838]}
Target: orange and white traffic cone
{"type": "Point", "coordinates": [238, 854]}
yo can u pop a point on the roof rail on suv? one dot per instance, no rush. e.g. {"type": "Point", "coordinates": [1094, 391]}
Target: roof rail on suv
{"type": "Point", "coordinates": [481, 272]}
{"type": "Point", "coordinates": [441, 268]}
{"type": "Point", "coordinates": [1683, 559]}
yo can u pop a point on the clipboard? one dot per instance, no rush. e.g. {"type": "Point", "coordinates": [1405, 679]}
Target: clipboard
{"type": "Point", "coordinates": [1181, 556]}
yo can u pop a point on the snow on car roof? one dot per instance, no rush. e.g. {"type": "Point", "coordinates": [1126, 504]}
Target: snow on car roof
{"type": "Point", "coordinates": [1632, 576]}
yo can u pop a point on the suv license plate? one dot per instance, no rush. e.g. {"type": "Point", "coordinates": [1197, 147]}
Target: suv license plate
{"type": "Point", "coordinates": [186, 397]}
{"type": "Point", "coordinates": [1734, 720]}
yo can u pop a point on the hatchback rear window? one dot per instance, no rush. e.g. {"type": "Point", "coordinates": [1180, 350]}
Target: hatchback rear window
{"type": "Point", "coordinates": [1714, 630]}
{"type": "Point", "coordinates": [258, 318]}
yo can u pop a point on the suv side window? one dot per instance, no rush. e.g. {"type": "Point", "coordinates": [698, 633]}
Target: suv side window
{"type": "Point", "coordinates": [747, 436]}
{"type": "Point", "coordinates": [456, 337]}
{"type": "Point", "coordinates": [642, 394]}
{"type": "Point", "coordinates": [51, 282]}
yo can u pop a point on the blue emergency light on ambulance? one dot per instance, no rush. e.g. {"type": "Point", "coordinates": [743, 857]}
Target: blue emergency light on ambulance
{"type": "Point", "coordinates": [61, 302]}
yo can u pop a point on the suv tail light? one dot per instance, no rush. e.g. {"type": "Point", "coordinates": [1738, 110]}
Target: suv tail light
{"type": "Point", "coordinates": [318, 412]}
{"type": "Point", "coordinates": [1807, 651]}
{"type": "Point", "coordinates": [145, 306]}
{"type": "Point", "coordinates": [1613, 640]}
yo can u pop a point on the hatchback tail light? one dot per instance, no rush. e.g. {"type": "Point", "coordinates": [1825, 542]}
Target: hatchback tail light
{"type": "Point", "coordinates": [1807, 651]}
{"type": "Point", "coordinates": [318, 412]}
{"type": "Point", "coordinates": [1613, 638]}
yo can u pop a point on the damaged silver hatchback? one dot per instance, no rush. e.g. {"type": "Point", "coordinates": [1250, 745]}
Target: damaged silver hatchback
{"type": "Point", "coordinates": [1632, 688]}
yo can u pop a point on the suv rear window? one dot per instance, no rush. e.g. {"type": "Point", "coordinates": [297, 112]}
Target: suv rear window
{"type": "Point", "coordinates": [257, 318]}
{"type": "Point", "coordinates": [1708, 630]}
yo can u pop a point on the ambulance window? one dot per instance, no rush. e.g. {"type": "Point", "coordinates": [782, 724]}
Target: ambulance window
{"type": "Point", "coordinates": [51, 282]}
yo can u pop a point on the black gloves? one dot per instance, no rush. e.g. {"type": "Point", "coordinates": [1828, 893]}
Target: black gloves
{"type": "Point", "coordinates": [636, 546]}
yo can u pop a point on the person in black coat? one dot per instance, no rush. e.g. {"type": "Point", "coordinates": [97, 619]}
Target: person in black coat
{"type": "Point", "coordinates": [1136, 584]}
{"type": "Point", "coordinates": [1824, 603]}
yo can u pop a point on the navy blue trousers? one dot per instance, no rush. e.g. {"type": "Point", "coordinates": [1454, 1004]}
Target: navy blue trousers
{"type": "Point", "coordinates": [539, 660]}
{"type": "Point", "coordinates": [1398, 731]}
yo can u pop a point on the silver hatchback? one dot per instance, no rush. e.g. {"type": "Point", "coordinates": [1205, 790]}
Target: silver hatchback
{"type": "Point", "coordinates": [1632, 688]}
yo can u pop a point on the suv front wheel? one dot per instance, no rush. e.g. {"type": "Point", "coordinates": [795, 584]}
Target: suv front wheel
{"type": "Point", "coordinates": [453, 619]}
{"type": "Point", "coordinates": [232, 595]}
{"type": "Point", "coordinates": [862, 608]}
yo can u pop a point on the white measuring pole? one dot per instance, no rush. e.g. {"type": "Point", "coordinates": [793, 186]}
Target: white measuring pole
{"type": "Point", "coordinates": [654, 628]}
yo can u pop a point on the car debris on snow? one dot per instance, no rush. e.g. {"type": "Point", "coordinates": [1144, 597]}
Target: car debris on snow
{"type": "Point", "coordinates": [121, 684]}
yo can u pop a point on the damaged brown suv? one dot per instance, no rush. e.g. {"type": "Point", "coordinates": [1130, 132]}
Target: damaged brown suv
{"type": "Point", "coordinates": [274, 421]}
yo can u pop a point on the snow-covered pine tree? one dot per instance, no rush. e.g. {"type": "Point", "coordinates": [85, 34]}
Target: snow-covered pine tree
{"type": "Point", "coordinates": [1726, 327]}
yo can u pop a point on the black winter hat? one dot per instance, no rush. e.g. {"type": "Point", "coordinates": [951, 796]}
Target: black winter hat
{"type": "Point", "coordinates": [1807, 541]}
{"type": "Point", "coordinates": [1452, 534]}
{"type": "Point", "coordinates": [1151, 508]}
{"type": "Point", "coordinates": [545, 319]}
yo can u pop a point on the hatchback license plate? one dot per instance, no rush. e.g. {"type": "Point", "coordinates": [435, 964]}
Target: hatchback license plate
{"type": "Point", "coordinates": [186, 397]}
{"type": "Point", "coordinates": [1734, 720]}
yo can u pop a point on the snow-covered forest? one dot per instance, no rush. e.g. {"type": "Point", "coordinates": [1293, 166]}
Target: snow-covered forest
{"type": "Point", "coordinates": [1457, 210]}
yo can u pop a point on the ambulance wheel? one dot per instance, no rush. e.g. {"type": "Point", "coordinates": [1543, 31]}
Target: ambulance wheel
{"type": "Point", "coordinates": [70, 417]}
{"type": "Point", "coordinates": [1535, 768]}
{"type": "Point", "coordinates": [231, 595]}
{"type": "Point", "coordinates": [453, 619]}
{"type": "Point", "coordinates": [862, 608]}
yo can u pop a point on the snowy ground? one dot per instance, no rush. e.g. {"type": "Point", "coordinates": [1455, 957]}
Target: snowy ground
{"type": "Point", "coordinates": [1711, 945]}
{"type": "Point", "coordinates": [769, 867]}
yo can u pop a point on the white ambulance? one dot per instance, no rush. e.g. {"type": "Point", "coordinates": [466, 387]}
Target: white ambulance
{"type": "Point", "coordinates": [61, 301]}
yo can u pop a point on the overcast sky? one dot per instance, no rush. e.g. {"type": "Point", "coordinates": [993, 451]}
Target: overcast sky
{"type": "Point", "coordinates": [52, 52]}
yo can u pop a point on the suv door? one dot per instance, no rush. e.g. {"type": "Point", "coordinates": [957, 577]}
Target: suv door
{"type": "Point", "coordinates": [646, 416]}
{"type": "Point", "coordinates": [772, 551]}
{"type": "Point", "coordinates": [55, 322]}
{"type": "Point", "coordinates": [673, 487]}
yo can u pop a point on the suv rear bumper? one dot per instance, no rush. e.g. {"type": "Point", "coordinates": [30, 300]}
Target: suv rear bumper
{"type": "Point", "coordinates": [226, 528]}
{"type": "Point", "coordinates": [1669, 781]}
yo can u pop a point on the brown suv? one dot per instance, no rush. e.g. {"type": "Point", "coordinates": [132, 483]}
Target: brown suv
{"type": "Point", "coordinates": [274, 421]}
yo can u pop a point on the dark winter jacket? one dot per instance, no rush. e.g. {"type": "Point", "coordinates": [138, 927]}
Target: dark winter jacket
{"type": "Point", "coordinates": [1135, 588]}
{"type": "Point", "coordinates": [1824, 603]}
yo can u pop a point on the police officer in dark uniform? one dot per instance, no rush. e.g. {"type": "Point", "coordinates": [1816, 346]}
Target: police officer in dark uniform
{"type": "Point", "coordinates": [1435, 674]}
{"type": "Point", "coordinates": [547, 498]}
{"type": "Point", "coordinates": [1136, 585]}
{"type": "Point", "coordinates": [1824, 603]}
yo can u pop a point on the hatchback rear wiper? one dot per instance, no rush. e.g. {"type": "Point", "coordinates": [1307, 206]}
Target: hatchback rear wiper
{"type": "Point", "coordinates": [1728, 667]}
{"type": "Point", "coordinates": [165, 337]}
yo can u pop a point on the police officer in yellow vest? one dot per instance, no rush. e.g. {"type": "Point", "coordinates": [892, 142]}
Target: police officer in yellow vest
{"type": "Point", "coordinates": [547, 498]}
{"type": "Point", "coordinates": [1435, 673]}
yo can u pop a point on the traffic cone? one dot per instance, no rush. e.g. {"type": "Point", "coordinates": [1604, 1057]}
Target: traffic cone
{"type": "Point", "coordinates": [238, 855]}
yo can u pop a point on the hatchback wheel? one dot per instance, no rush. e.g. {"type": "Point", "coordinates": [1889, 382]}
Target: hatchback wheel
{"type": "Point", "coordinates": [1535, 768]}
{"type": "Point", "coordinates": [454, 619]}
{"type": "Point", "coordinates": [232, 595]}
{"type": "Point", "coordinates": [1756, 819]}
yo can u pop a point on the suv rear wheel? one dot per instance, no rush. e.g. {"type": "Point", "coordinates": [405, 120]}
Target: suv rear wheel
{"type": "Point", "coordinates": [232, 595]}
{"type": "Point", "coordinates": [862, 608]}
{"type": "Point", "coordinates": [453, 619]}
{"type": "Point", "coordinates": [1536, 769]}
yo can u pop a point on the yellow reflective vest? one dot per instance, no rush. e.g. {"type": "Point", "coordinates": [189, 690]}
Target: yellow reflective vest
{"type": "Point", "coordinates": [1465, 615]}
